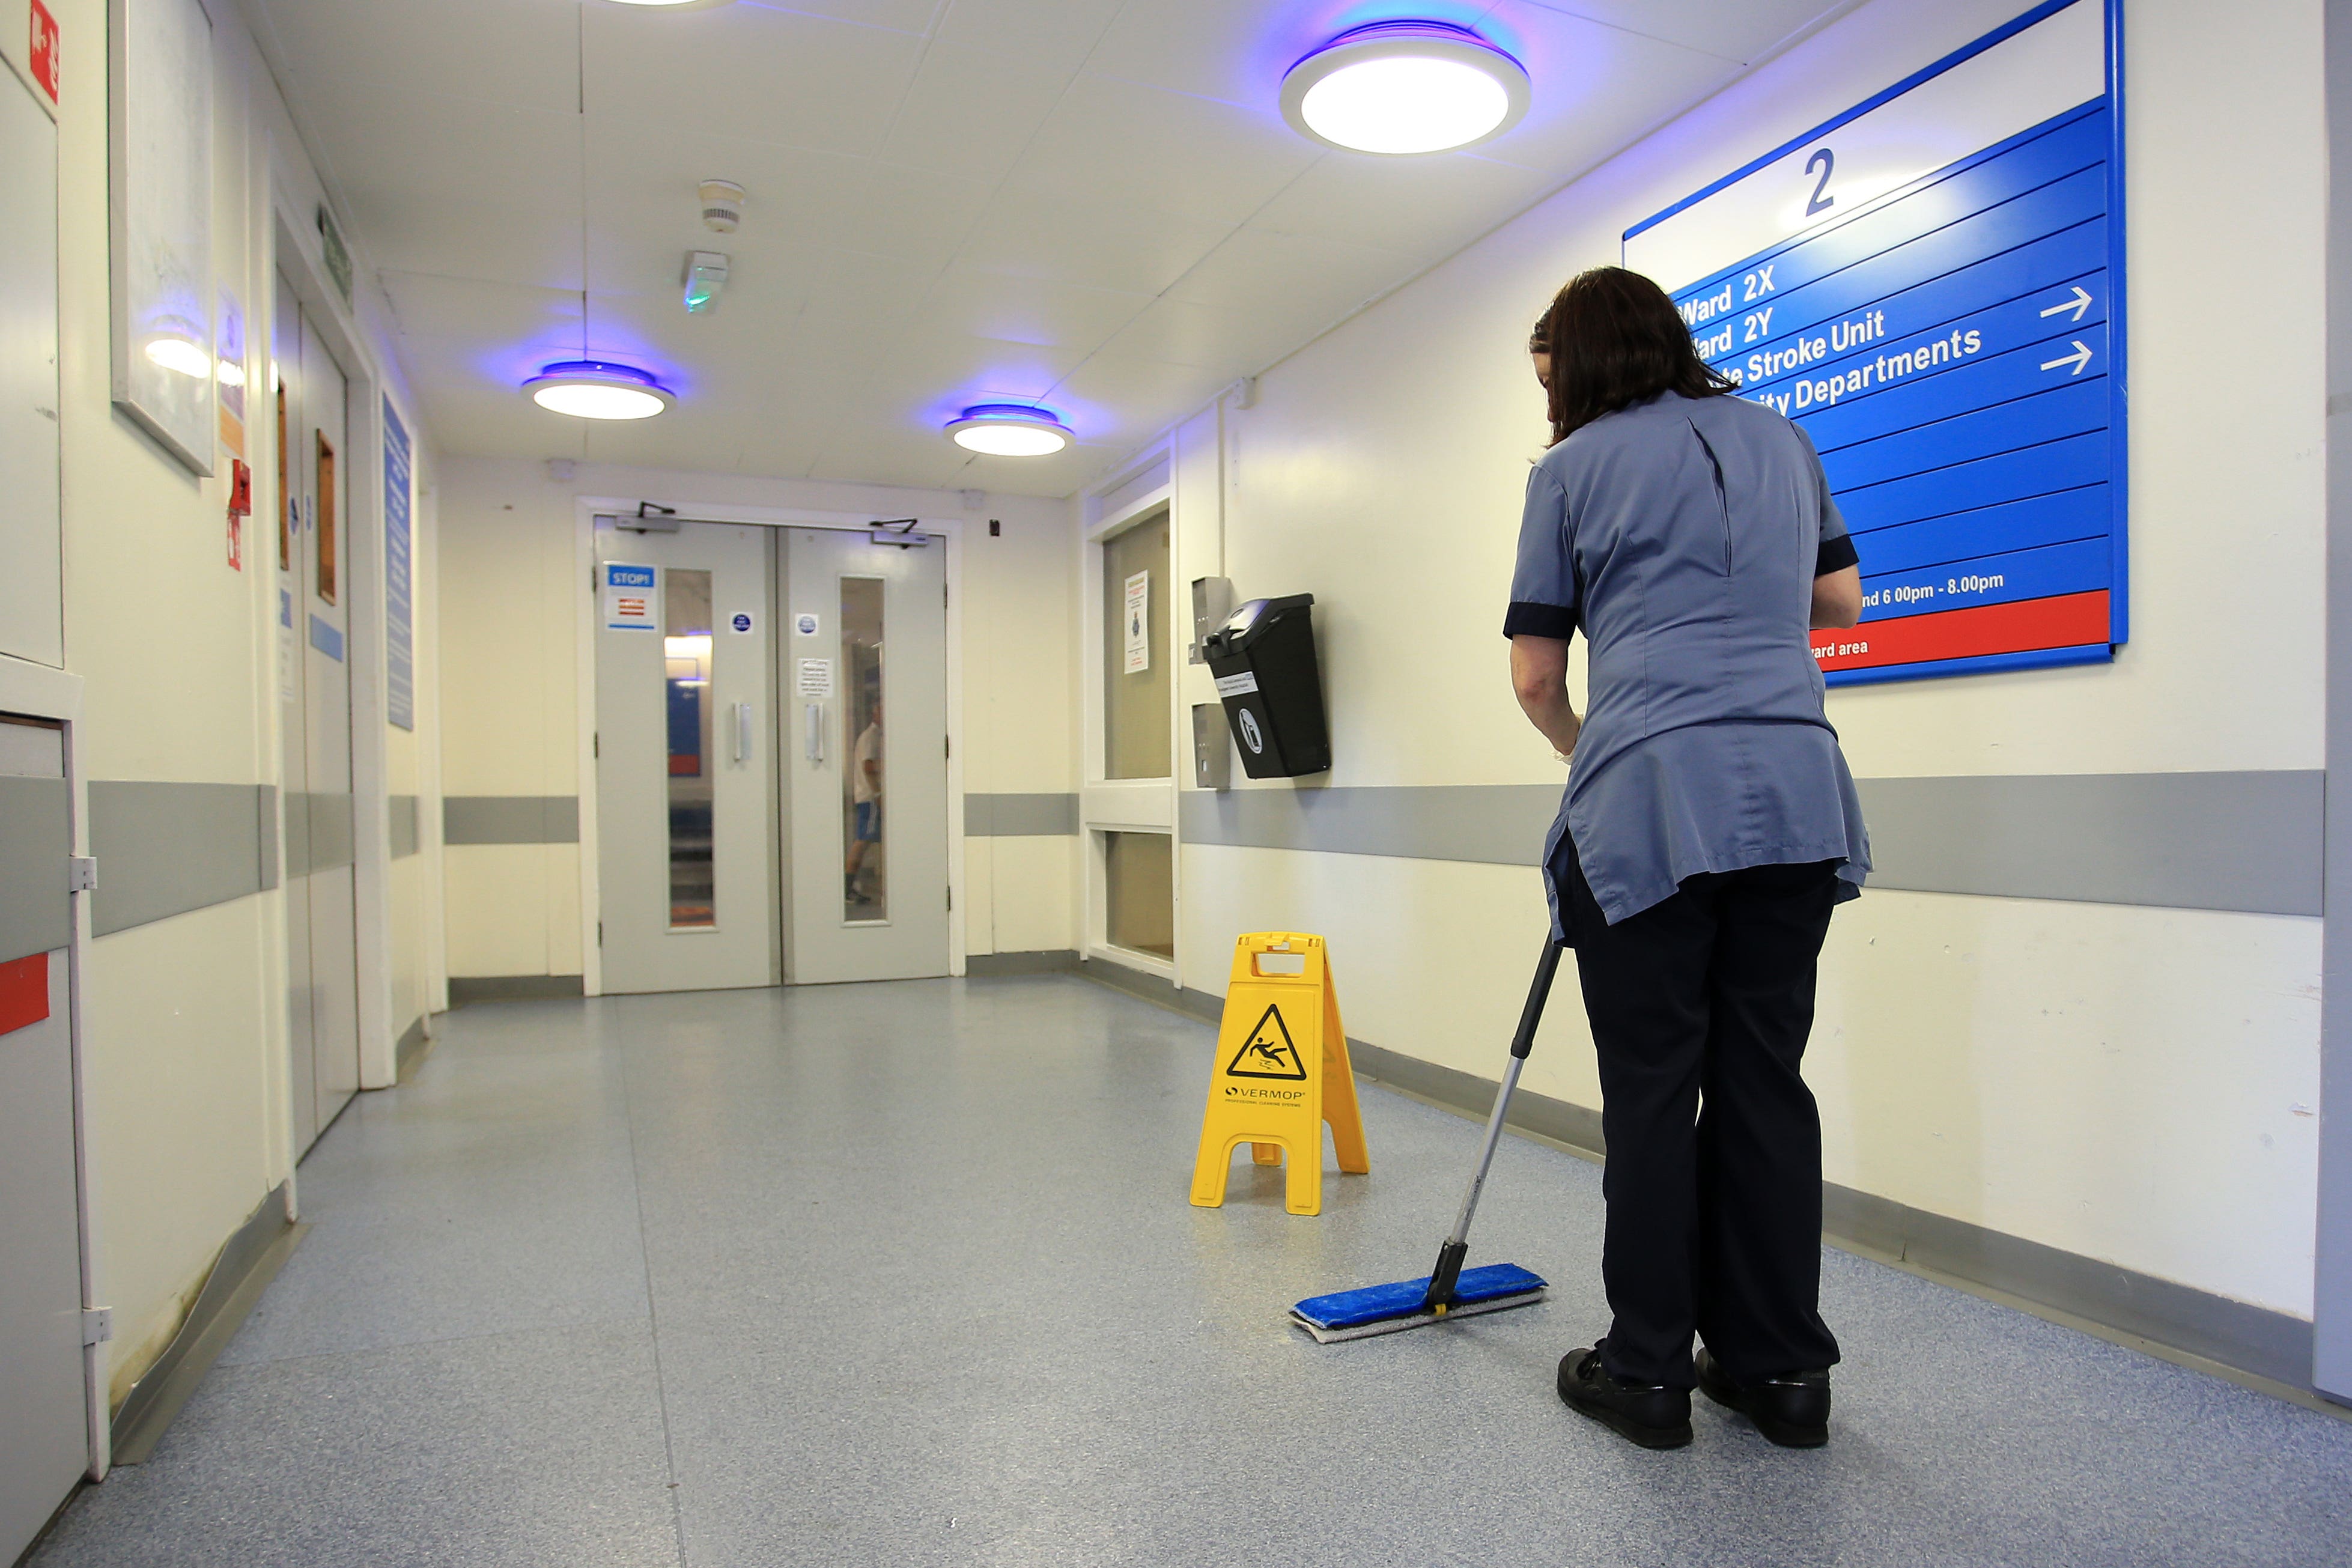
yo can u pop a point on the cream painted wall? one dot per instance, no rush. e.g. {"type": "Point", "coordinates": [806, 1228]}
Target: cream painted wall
{"type": "Point", "coordinates": [2129, 1084]}
{"type": "Point", "coordinates": [509, 664]}
{"type": "Point", "coordinates": [184, 1039]}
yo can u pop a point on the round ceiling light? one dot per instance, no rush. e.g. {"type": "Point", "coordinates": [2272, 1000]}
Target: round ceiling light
{"type": "Point", "coordinates": [1402, 88]}
{"type": "Point", "coordinates": [594, 389]}
{"type": "Point", "coordinates": [1010, 430]}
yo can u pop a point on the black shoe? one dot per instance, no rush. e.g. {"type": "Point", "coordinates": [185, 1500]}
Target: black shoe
{"type": "Point", "coordinates": [1792, 1410]}
{"type": "Point", "coordinates": [1649, 1414]}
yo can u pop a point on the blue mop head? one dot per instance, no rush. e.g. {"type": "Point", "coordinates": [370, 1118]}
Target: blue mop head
{"type": "Point", "coordinates": [1389, 1308]}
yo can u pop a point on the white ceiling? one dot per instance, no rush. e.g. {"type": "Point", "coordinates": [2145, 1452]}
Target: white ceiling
{"type": "Point", "coordinates": [1092, 204]}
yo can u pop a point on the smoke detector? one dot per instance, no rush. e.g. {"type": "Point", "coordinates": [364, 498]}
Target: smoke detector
{"type": "Point", "coordinates": [722, 206]}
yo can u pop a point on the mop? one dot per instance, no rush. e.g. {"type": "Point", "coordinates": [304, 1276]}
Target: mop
{"type": "Point", "coordinates": [1450, 1290]}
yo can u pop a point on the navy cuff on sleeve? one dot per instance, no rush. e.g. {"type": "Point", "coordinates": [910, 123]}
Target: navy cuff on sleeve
{"type": "Point", "coordinates": [1532, 620]}
{"type": "Point", "coordinates": [1835, 555]}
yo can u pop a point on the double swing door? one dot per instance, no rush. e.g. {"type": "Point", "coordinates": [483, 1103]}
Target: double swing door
{"type": "Point", "coordinates": [310, 393]}
{"type": "Point", "coordinates": [770, 757]}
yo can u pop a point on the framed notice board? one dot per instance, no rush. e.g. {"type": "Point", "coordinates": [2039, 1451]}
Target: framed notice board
{"type": "Point", "coordinates": [1931, 285]}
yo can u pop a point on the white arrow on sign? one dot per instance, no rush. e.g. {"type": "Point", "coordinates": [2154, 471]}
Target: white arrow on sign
{"type": "Point", "coordinates": [2078, 304]}
{"type": "Point", "coordinates": [2078, 359]}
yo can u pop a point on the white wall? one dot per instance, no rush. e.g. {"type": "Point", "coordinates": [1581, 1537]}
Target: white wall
{"type": "Point", "coordinates": [2131, 1084]}
{"type": "Point", "coordinates": [184, 1036]}
{"type": "Point", "coordinates": [510, 660]}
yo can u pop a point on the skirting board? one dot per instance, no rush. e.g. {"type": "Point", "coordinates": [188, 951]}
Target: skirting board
{"type": "Point", "coordinates": [1051, 960]}
{"type": "Point", "coordinates": [513, 988]}
{"type": "Point", "coordinates": [246, 1263]}
{"type": "Point", "coordinates": [2273, 1346]}
{"type": "Point", "coordinates": [415, 1045]}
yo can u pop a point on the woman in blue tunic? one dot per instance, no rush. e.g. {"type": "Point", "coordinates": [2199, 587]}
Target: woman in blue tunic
{"type": "Point", "coordinates": [1708, 828]}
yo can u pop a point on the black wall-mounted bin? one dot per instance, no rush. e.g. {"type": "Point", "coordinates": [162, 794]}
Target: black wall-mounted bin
{"type": "Point", "coordinates": [1264, 658]}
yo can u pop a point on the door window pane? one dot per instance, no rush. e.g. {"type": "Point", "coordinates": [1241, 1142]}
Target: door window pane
{"type": "Point", "coordinates": [1140, 876]}
{"type": "Point", "coordinates": [686, 680]}
{"type": "Point", "coordinates": [1136, 682]}
{"type": "Point", "coordinates": [866, 866]}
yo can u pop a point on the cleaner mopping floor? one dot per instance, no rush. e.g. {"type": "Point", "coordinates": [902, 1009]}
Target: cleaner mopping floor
{"type": "Point", "coordinates": [1709, 826]}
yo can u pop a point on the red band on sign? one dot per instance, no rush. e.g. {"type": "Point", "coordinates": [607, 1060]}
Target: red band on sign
{"type": "Point", "coordinates": [2070, 620]}
{"type": "Point", "coordinates": [24, 992]}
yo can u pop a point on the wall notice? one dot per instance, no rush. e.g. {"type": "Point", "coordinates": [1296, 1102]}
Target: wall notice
{"type": "Point", "coordinates": [1138, 623]}
{"type": "Point", "coordinates": [399, 605]}
{"type": "Point", "coordinates": [1931, 287]}
{"type": "Point", "coordinates": [628, 599]}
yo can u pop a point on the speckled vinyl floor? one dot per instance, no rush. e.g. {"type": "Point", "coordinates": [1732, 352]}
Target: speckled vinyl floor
{"type": "Point", "coordinates": [905, 1274]}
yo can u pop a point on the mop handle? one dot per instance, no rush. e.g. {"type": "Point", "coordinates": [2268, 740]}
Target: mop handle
{"type": "Point", "coordinates": [1521, 1044]}
{"type": "Point", "coordinates": [1457, 1246]}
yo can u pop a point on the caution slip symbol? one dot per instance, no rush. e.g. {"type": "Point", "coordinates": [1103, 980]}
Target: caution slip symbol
{"type": "Point", "coordinates": [1268, 1053]}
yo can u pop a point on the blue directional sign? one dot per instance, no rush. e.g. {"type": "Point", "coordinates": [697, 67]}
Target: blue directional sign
{"type": "Point", "coordinates": [1931, 286]}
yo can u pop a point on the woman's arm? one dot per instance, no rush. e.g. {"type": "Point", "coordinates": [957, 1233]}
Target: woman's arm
{"type": "Point", "coordinates": [1837, 598]}
{"type": "Point", "coordinates": [1539, 676]}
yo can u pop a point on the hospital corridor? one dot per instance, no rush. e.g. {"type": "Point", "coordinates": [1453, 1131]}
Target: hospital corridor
{"type": "Point", "coordinates": [1175, 782]}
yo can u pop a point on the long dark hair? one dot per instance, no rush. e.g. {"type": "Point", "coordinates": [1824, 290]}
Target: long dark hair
{"type": "Point", "coordinates": [1615, 339]}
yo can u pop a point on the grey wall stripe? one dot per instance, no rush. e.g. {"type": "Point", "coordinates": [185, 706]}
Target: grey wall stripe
{"type": "Point", "coordinates": [2267, 1344]}
{"type": "Point", "coordinates": [165, 849]}
{"type": "Point", "coordinates": [2248, 841]}
{"type": "Point", "coordinates": [36, 910]}
{"type": "Point", "coordinates": [510, 819]}
{"type": "Point", "coordinates": [1501, 825]}
{"type": "Point", "coordinates": [404, 826]}
{"type": "Point", "coordinates": [2243, 841]}
{"type": "Point", "coordinates": [1019, 815]}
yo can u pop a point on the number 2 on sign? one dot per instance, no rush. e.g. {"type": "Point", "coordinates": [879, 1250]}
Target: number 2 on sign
{"type": "Point", "coordinates": [1825, 161]}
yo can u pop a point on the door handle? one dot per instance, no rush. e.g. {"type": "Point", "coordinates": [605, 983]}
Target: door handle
{"type": "Point", "coordinates": [814, 713]}
{"type": "Point", "coordinates": [742, 731]}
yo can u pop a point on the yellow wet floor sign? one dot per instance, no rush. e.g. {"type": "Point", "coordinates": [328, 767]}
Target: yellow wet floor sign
{"type": "Point", "coordinates": [1281, 1071]}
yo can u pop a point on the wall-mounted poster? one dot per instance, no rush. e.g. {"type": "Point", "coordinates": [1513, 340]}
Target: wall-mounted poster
{"type": "Point", "coordinates": [399, 629]}
{"type": "Point", "coordinates": [161, 197]}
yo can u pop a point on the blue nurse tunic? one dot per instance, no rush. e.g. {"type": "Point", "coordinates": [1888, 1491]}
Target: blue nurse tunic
{"type": "Point", "coordinates": [1683, 536]}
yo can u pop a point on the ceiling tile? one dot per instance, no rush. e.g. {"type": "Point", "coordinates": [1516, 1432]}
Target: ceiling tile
{"type": "Point", "coordinates": [524, 54]}
{"type": "Point", "coordinates": [1421, 208]}
{"type": "Point", "coordinates": [1597, 89]}
{"type": "Point", "coordinates": [1025, 309]}
{"type": "Point", "coordinates": [794, 196]}
{"type": "Point", "coordinates": [1744, 32]}
{"type": "Point", "coordinates": [973, 112]}
{"type": "Point", "coordinates": [906, 16]}
{"type": "Point", "coordinates": [1098, 246]}
{"type": "Point", "coordinates": [1257, 268]}
{"type": "Point", "coordinates": [1236, 51]}
{"type": "Point", "coordinates": [454, 186]}
{"type": "Point", "coordinates": [1057, 34]}
{"type": "Point", "coordinates": [742, 70]}
{"type": "Point", "coordinates": [476, 311]}
{"type": "Point", "coordinates": [1114, 142]}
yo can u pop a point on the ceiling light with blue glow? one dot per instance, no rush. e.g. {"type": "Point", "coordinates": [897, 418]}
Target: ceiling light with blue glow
{"type": "Point", "coordinates": [1010, 430]}
{"type": "Point", "coordinates": [598, 389]}
{"type": "Point", "coordinates": [1405, 88]}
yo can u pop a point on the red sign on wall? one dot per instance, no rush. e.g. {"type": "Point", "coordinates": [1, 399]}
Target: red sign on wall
{"type": "Point", "coordinates": [43, 50]}
{"type": "Point", "coordinates": [24, 992]}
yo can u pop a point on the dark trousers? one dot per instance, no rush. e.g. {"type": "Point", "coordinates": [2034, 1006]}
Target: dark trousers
{"type": "Point", "coordinates": [1700, 1008]}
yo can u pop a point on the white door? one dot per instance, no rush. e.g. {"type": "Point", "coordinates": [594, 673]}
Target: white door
{"type": "Point", "coordinates": [685, 766]}
{"type": "Point", "coordinates": [866, 732]}
{"type": "Point", "coordinates": [313, 492]}
{"type": "Point", "coordinates": [42, 1438]}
